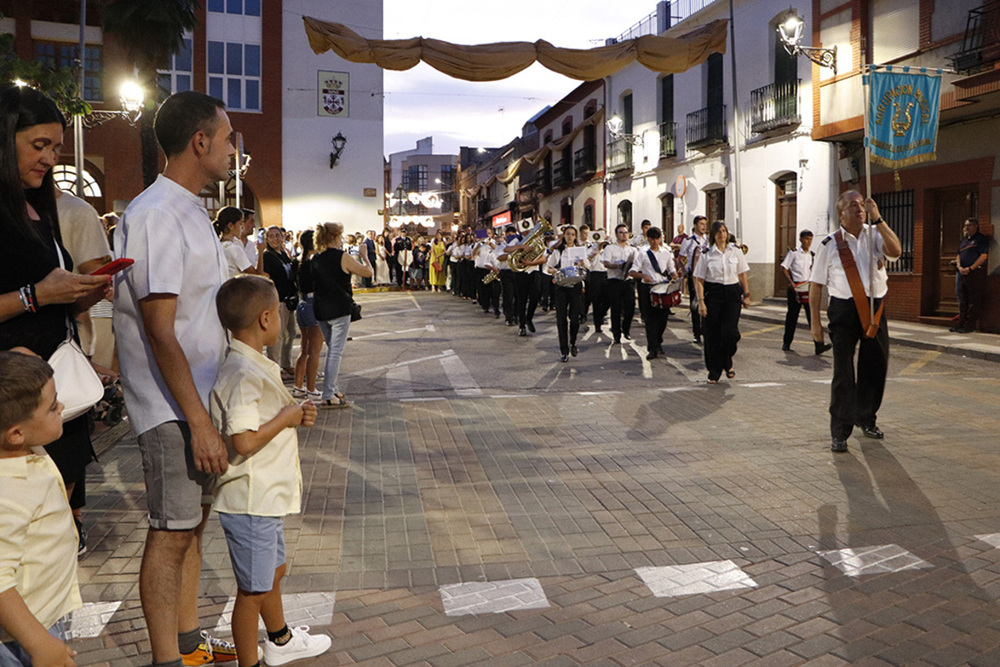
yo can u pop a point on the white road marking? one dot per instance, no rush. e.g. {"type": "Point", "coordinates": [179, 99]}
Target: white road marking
{"type": "Point", "coordinates": [399, 383]}
{"type": "Point", "coordinates": [873, 560]}
{"type": "Point", "coordinates": [391, 312]}
{"type": "Point", "coordinates": [312, 609]}
{"type": "Point", "coordinates": [379, 369]}
{"type": "Point", "coordinates": [695, 578]}
{"type": "Point", "coordinates": [492, 597]}
{"type": "Point", "coordinates": [459, 376]}
{"type": "Point", "coordinates": [691, 375]}
{"type": "Point", "coordinates": [429, 327]}
{"type": "Point", "coordinates": [89, 621]}
{"type": "Point", "coordinates": [758, 385]}
{"type": "Point", "coordinates": [647, 368]}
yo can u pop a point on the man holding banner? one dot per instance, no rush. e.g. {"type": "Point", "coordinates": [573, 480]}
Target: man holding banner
{"type": "Point", "coordinates": [843, 264]}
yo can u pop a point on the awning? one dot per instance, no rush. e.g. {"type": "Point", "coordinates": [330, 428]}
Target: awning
{"type": "Point", "coordinates": [492, 62]}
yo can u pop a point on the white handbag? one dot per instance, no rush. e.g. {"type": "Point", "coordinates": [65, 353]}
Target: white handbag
{"type": "Point", "coordinates": [78, 386]}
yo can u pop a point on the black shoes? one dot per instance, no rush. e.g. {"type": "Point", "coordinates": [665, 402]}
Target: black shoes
{"type": "Point", "coordinates": [786, 348]}
{"type": "Point", "coordinates": [82, 545]}
{"type": "Point", "coordinates": [822, 347]}
{"type": "Point", "coordinates": [618, 341]}
{"type": "Point", "coordinates": [626, 335]}
{"type": "Point", "coordinates": [522, 332]}
{"type": "Point", "coordinates": [838, 445]}
{"type": "Point", "coordinates": [652, 355]}
{"type": "Point", "coordinates": [564, 358]}
{"type": "Point", "coordinates": [572, 350]}
{"type": "Point", "coordinates": [873, 432]}
{"type": "Point", "coordinates": [531, 326]}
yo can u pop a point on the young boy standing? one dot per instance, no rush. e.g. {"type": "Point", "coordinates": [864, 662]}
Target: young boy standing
{"type": "Point", "coordinates": [257, 416]}
{"type": "Point", "coordinates": [38, 541]}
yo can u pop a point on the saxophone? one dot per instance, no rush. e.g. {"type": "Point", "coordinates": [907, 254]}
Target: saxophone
{"type": "Point", "coordinates": [535, 243]}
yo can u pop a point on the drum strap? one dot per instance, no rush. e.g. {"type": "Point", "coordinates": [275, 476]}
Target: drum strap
{"type": "Point", "coordinates": [652, 260]}
{"type": "Point", "coordinates": [857, 287]}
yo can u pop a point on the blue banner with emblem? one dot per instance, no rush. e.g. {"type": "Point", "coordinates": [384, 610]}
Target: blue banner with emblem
{"type": "Point", "coordinates": [903, 116]}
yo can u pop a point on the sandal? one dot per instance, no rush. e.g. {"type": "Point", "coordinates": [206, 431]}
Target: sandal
{"type": "Point", "coordinates": [730, 374]}
{"type": "Point", "coordinates": [333, 403]}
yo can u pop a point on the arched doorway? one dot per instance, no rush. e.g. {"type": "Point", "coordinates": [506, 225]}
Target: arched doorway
{"type": "Point", "coordinates": [625, 214]}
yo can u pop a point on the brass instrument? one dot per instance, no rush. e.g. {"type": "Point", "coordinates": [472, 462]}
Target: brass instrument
{"type": "Point", "coordinates": [744, 248]}
{"type": "Point", "coordinates": [535, 247]}
{"type": "Point", "coordinates": [597, 237]}
{"type": "Point", "coordinates": [490, 277]}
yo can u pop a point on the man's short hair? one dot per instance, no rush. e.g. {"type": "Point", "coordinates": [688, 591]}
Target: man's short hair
{"type": "Point", "coordinates": [805, 233]}
{"type": "Point", "coordinates": [973, 221]}
{"type": "Point", "coordinates": [621, 225]}
{"type": "Point", "coordinates": [22, 378]}
{"type": "Point", "coordinates": [247, 212]}
{"type": "Point", "coordinates": [645, 223]}
{"type": "Point", "coordinates": [699, 218]}
{"type": "Point", "coordinates": [842, 199]}
{"type": "Point", "coordinates": [181, 116]}
{"type": "Point", "coordinates": [654, 233]}
{"type": "Point", "coordinates": [242, 299]}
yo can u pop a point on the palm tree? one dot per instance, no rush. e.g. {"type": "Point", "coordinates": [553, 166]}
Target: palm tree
{"type": "Point", "coordinates": [150, 31]}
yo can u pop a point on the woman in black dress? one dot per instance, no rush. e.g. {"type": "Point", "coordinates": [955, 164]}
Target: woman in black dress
{"type": "Point", "coordinates": [281, 269]}
{"type": "Point", "coordinates": [38, 299]}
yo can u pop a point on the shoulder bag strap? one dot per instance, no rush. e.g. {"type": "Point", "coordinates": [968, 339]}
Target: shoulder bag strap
{"type": "Point", "coordinates": [652, 260]}
{"type": "Point", "coordinates": [857, 287]}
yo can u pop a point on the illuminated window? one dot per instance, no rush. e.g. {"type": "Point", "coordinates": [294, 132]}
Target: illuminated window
{"type": "Point", "coordinates": [65, 178]}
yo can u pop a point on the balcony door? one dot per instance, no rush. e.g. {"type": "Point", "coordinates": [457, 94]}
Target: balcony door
{"type": "Point", "coordinates": [785, 236]}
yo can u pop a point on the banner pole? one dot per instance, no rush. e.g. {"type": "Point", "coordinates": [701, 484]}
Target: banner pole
{"type": "Point", "coordinates": [867, 72]}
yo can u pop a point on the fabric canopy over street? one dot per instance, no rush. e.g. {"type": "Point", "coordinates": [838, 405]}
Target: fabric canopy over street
{"type": "Point", "coordinates": [492, 62]}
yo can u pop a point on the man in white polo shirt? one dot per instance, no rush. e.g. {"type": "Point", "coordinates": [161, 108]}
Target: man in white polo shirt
{"type": "Point", "coordinates": [170, 347]}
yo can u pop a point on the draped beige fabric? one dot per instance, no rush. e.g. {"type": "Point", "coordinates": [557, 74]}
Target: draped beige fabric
{"type": "Point", "coordinates": [492, 62]}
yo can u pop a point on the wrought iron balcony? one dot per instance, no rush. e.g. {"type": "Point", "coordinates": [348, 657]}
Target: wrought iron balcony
{"type": "Point", "coordinates": [585, 162]}
{"type": "Point", "coordinates": [543, 180]}
{"type": "Point", "coordinates": [981, 45]}
{"type": "Point", "coordinates": [620, 155]}
{"type": "Point", "coordinates": [775, 106]}
{"type": "Point", "coordinates": [562, 173]}
{"type": "Point", "coordinates": [706, 127]}
{"type": "Point", "coordinates": [668, 139]}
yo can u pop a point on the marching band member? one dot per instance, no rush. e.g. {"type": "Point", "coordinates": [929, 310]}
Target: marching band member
{"type": "Point", "coordinates": [466, 266]}
{"type": "Point", "coordinates": [527, 285]}
{"type": "Point", "coordinates": [720, 278]}
{"type": "Point", "coordinates": [511, 238]}
{"type": "Point", "coordinates": [482, 253]}
{"type": "Point", "coordinates": [617, 258]}
{"type": "Point", "coordinates": [640, 243]}
{"type": "Point", "coordinates": [797, 268]}
{"type": "Point", "coordinates": [545, 292]}
{"type": "Point", "coordinates": [597, 281]}
{"type": "Point", "coordinates": [697, 240]}
{"type": "Point", "coordinates": [568, 299]}
{"type": "Point", "coordinates": [583, 237]}
{"type": "Point", "coordinates": [654, 266]}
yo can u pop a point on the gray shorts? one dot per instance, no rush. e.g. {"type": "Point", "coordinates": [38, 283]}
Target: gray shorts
{"type": "Point", "coordinates": [256, 548]}
{"type": "Point", "coordinates": [175, 489]}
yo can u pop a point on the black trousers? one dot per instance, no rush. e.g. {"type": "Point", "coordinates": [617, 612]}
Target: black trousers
{"type": "Point", "coordinates": [855, 398]}
{"type": "Point", "coordinates": [507, 288]}
{"type": "Point", "coordinates": [656, 324]}
{"type": "Point", "coordinates": [545, 291]}
{"type": "Point", "coordinates": [696, 323]}
{"type": "Point", "coordinates": [621, 298]}
{"type": "Point", "coordinates": [597, 290]}
{"type": "Point", "coordinates": [971, 289]}
{"type": "Point", "coordinates": [569, 301]}
{"type": "Point", "coordinates": [526, 287]}
{"type": "Point", "coordinates": [643, 291]}
{"type": "Point", "coordinates": [456, 277]}
{"type": "Point", "coordinates": [395, 271]}
{"type": "Point", "coordinates": [489, 295]}
{"type": "Point", "coordinates": [468, 269]}
{"type": "Point", "coordinates": [792, 315]}
{"type": "Point", "coordinates": [721, 326]}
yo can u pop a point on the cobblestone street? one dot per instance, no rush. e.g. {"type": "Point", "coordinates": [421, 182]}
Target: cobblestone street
{"type": "Point", "coordinates": [483, 504]}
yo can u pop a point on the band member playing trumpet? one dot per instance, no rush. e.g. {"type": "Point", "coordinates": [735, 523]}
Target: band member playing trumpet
{"type": "Point", "coordinates": [720, 279]}
{"type": "Point", "coordinates": [568, 299]}
{"type": "Point", "coordinates": [618, 258]}
{"type": "Point", "coordinates": [654, 265]}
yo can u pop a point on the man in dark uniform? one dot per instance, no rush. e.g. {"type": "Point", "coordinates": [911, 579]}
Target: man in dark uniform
{"type": "Point", "coordinates": [854, 399]}
{"type": "Point", "coordinates": [970, 276]}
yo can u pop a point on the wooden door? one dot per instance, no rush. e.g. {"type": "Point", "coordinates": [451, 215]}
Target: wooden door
{"type": "Point", "coordinates": [952, 206]}
{"type": "Point", "coordinates": [785, 236]}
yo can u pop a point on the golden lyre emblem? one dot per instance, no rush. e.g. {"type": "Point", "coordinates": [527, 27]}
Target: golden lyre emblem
{"type": "Point", "coordinates": [899, 127]}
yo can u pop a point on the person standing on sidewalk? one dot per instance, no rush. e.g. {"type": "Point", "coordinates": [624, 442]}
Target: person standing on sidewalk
{"type": "Point", "coordinates": [854, 399]}
{"type": "Point", "coordinates": [970, 276]}
{"type": "Point", "coordinates": [170, 347]}
{"type": "Point", "coordinates": [797, 268]}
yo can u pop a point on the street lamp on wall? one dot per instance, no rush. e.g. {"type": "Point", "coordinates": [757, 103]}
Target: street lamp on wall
{"type": "Point", "coordinates": [790, 30]}
{"type": "Point", "coordinates": [338, 142]}
{"type": "Point", "coordinates": [616, 125]}
{"type": "Point", "coordinates": [131, 98]}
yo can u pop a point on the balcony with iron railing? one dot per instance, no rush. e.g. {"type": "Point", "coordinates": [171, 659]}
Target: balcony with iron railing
{"type": "Point", "coordinates": [981, 44]}
{"type": "Point", "coordinates": [668, 139]}
{"type": "Point", "coordinates": [562, 173]}
{"type": "Point", "coordinates": [619, 155]}
{"type": "Point", "coordinates": [543, 180]}
{"type": "Point", "coordinates": [775, 106]}
{"type": "Point", "coordinates": [585, 162]}
{"type": "Point", "coordinates": [706, 128]}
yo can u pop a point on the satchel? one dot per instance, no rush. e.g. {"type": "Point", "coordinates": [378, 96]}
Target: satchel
{"type": "Point", "coordinates": [78, 387]}
{"type": "Point", "coordinates": [355, 311]}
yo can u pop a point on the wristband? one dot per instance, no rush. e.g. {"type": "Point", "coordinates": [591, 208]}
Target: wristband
{"type": "Point", "coordinates": [879, 221]}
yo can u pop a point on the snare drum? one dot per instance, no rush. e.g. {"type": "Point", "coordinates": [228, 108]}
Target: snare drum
{"type": "Point", "coordinates": [665, 295]}
{"type": "Point", "coordinates": [571, 275]}
{"type": "Point", "coordinates": [802, 291]}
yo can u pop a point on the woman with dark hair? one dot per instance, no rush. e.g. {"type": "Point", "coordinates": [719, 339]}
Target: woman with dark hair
{"type": "Point", "coordinates": [568, 300]}
{"type": "Point", "coordinates": [307, 365]}
{"type": "Point", "coordinates": [720, 279]}
{"type": "Point", "coordinates": [281, 269]}
{"type": "Point", "coordinates": [39, 294]}
{"type": "Point", "coordinates": [228, 224]}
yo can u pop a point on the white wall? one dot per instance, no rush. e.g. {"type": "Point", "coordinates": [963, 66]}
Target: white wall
{"type": "Point", "coordinates": [311, 191]}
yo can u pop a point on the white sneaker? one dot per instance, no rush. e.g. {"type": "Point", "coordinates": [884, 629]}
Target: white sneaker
{"type": "Point", "coordinates": [301, 645]}
{"type": "Point", "coordinates": [314, 394]}
{"type": "Point", "coordinates": [298, 392]}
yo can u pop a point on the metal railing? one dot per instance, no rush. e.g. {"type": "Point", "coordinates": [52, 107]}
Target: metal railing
{"type": "Point", "coordinates": [897, 210]}
{"type": "Point", "coordinates": [707, 127]}
{"type": "Point", "coordinates": [668, 139]}
{"type": "Point", "coordinates": [562, 173]}
{"type": "Point", "coordinates": [585, 161]}
{"type": "Point", "coordinates": [619, 155]}
{"type": "Point", "coordinates": [543, 180]}
{"type": "Point", "coordinates": [981, 44]}
{"type": "Point", "coordinates": [676, 11]}
{"type": "Point", "coordinates": [775, 105]}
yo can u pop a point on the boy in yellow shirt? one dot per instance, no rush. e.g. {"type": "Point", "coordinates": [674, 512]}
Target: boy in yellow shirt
{"type": "Point", "coordinates": [38, 541]}
{"type": "Point", "coordinates": [257, 416]}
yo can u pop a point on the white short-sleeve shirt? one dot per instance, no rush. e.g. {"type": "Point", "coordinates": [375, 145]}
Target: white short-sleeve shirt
{"type": "Point", "coordinates": [166, 230]}
{"type": "Point", "coordinates": [718, 266]}
{"type": "Point", "coordinates": [615, 254]}
{"type": "Point", "coordinates": [236, 258]}
{"type": "Point", "coordinates": [827, 269]}
{"type": "Point", "coordinates": [665, 259]}
{"type": "Point", "coordinates": [799, 264]}
{"type": "Point", "coordinates": [81, 229]}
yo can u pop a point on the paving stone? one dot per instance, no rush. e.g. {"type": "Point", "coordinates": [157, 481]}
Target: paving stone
{"type": "Point", "coordinates": [679, 580]}
{"type": "Point", "coordinates": [493, 597]}
{"type": "Point", "coordinates": [860, 561]}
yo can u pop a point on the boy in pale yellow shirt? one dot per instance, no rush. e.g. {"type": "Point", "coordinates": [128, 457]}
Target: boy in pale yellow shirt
{"type": "Point", "coordinates": [38, 541]}
{"type": "Point", "coordinates": [257, 416]}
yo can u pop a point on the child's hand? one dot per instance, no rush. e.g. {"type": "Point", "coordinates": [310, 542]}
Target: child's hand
{"type": "Point", "coordinates": [53, 653]}
{"type": "Point", "coordinates": [308, 413]}
{"type": "Point", "coordinates": [292, 414]}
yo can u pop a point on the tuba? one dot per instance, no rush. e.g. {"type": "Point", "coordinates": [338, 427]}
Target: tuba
{"type": "Point", "coordinates": [535, 242]}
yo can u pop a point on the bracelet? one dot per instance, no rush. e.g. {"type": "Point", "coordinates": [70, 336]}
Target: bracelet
{"type": "Point", "coordinates": [878, 222]}
{"type": "Point", "coordinates": [28, 299]}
